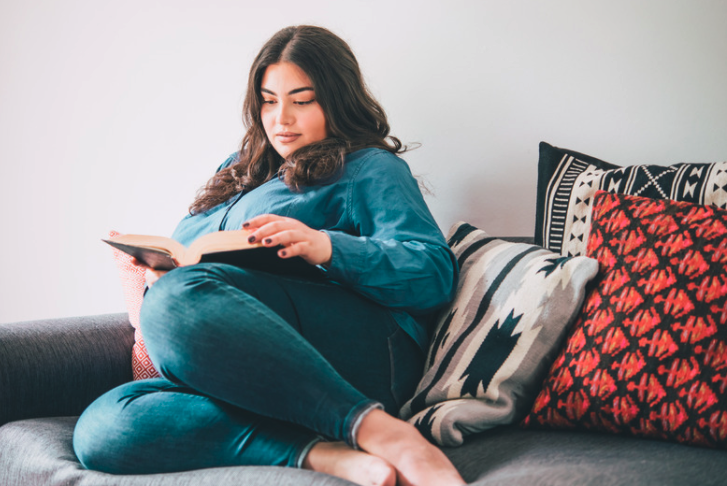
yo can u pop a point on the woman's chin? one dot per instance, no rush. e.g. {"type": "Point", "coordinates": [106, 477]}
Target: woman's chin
{"type": "Point", "coordinates": [284, 150]}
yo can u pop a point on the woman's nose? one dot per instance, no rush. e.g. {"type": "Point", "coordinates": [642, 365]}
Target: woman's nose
{"type": "Point", "coordinates": [285, 114]}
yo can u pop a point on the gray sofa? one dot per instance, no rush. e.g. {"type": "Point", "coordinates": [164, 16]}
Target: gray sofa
{"type": "Point", "coordinates": [50, 370]}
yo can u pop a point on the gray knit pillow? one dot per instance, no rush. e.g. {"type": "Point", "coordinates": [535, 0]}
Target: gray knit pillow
{"type": "Point", "coordinates": [492, 347]}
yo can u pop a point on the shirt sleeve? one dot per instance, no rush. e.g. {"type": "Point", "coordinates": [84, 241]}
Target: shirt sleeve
{"type": "Point", "coordinates": [397, 255]}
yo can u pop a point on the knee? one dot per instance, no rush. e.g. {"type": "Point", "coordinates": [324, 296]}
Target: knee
{"type": "Point", "coordinates": [185, 292]}
{"type": "Point", "coordinates": [88, 437]}
{"type": "Point", "coordinates": [186, 316]}
{"type": "Point", "coordinates": [176, 304]}
{"type": "Point", "coordinates": [105, 433]}
{"type": "Point", "coordinates": [174, 291]}
{"type": "Point", "coordinates": [172, 313]}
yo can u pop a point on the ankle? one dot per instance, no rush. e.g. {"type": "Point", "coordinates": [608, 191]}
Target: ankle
{"type": "Point", "coordinates": [378, 429]}
{"type": "Point", "coordinates": [338, 459]}
{"type": "Point", "coordinates": [400, 444]}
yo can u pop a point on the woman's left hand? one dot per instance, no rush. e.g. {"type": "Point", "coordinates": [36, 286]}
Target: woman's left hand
{"type": "Point", "coordinates": [297, 239]}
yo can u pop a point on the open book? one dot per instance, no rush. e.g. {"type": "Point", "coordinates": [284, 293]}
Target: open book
{"type": "Point", "coordinates": [162, 253]}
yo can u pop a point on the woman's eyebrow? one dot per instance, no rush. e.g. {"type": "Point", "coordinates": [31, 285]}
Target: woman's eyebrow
{"type": "Point", "coordinates": [296, 90]}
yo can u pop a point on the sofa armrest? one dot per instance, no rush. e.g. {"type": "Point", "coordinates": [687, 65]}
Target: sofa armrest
{"type": "Point", "coordinates": [57, 367]}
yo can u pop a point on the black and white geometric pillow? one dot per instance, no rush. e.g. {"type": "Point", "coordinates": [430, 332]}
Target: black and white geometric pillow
{"type": "Point", "coordinates": [493, 346]}
{"type": "Point", "coordinates": [567, 181]}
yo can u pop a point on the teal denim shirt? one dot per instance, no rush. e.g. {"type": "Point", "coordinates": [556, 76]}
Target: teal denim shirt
{"type": "Point", "coordinates": [386, 244]}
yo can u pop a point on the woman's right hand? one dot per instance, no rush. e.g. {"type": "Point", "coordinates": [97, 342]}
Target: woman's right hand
{"type": "Point", "coordinates": [150, 274]}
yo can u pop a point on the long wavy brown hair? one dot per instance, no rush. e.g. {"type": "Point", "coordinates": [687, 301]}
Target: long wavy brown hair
{"type": "Point", "coordinates": [354, 119]}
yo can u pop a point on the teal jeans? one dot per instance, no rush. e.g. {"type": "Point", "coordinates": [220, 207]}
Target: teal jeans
{"type": "Point", "coordinates": [256, 369]}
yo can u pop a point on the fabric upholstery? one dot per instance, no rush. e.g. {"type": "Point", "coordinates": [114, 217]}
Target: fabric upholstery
{"type": "Point", "coordinates": [40, 452]}
{"type": "Point", "coordinates": [495, 342]}
{"type": "Point", "coordinates": [648, 354]}
{"type": "Point", "coordinates": [59, 366]}
{"type": "Point", "coordinates": [508, 456]}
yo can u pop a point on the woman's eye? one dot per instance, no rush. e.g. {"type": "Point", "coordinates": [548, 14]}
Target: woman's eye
{"type": "Point", "coordinates": [268, 102]}
{"type": "Point", "coordinates": [305, 102]}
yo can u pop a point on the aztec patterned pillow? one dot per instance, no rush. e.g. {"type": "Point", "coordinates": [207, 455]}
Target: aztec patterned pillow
{"type": "Point", "coordinates": [568, 180]}
{"type": "Point", "coordinates": [132, 282]}
{"type": "Point", "coordinates": [494, 344]}
{"type": "Point", "coordinates": [648, 354]}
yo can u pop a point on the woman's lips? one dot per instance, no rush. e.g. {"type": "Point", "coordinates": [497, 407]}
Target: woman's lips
{"type": "Point", "coordinates": [287, 137]}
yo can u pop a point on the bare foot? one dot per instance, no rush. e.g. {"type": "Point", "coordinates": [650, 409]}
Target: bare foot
{"type": "Point", "coordinates": [418, 462]}
{"type": "Point", "coordinates": [337, 459]}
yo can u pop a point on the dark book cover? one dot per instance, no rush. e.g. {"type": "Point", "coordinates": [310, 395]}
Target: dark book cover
{"type": "Point", "coordinates": [156, 259]}
{"type": "Point", "coordinates": [265, 259]}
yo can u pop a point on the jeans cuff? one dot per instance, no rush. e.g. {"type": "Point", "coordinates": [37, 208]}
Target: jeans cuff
{"type": "Point", "coordinates": [305, 450]}
{"type": "Point", "coordinates": [356, 417]}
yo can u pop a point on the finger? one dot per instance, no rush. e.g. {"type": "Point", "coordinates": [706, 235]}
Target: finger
{"type": "Point", "coordinates": [150, 277]}
{"type": "Point", "coordinates": [273, 230]}
{"type": "Point", "coordinates": [265, 225]}
{"type": "Point", "coordinates": [285, 237]}
{"type": "Point", "coordinates": [260, 220]}
{"type": "Point", "coordinates": [300, 249]}
{"type": "Point", "coordinates": [139, 263]}
{"type": "Point", "coordinates": [306, 251]}
{"type": "Point", "coordinates": [315, 248]}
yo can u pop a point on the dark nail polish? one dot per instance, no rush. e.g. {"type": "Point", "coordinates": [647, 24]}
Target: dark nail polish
{"type": "Point", "coordinates": [267, 241]}
{"type": "Point", "coordinates": [251, 239]}
{"type": "Point", "coordinates": [245, 225]}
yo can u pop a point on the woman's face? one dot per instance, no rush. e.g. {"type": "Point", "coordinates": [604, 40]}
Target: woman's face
{"type": "Point", "coordinates": [291, 116]}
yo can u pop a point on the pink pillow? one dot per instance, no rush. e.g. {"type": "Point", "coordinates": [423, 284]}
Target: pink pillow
{"type": "Point", "coordinates": [132, 282]}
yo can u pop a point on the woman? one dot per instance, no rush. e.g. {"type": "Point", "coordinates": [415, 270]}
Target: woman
{"type": "Point", "coordinates": [274, 370]}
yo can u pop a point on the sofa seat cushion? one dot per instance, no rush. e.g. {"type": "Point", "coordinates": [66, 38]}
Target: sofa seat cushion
{"type": "Point", "coordinates": [510, 456]}
{"type": "Point", "coordinates": [39, 452]}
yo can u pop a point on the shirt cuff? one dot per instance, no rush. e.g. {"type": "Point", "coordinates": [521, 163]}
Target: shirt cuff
{"type": "Point", "coordinates": [346, 256]}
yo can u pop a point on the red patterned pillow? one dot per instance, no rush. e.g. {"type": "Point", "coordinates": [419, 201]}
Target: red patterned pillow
{"type": "Point", "coordinates": [647, 355]}
{"type": "Point", "coordinates": [132, 282]}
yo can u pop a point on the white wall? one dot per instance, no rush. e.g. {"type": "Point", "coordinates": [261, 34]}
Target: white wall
{"type": "Point", "coordinates": [112, 114]}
